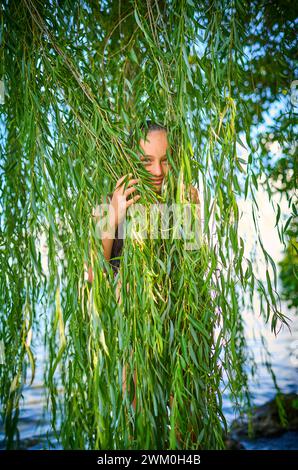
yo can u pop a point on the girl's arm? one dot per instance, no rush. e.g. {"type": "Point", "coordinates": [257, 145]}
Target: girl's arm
{"type": "Point", "coordinates": [107, 238]}
{"type": "Point", "coordinates": [195, 197]}
{"type": "Point", "coordinates": [118, 205]}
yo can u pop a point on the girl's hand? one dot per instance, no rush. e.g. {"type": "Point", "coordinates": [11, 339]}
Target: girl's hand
{"type": "Point", "coordinates": [120, 202]}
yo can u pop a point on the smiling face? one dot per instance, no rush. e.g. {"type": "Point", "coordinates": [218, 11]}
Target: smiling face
{"type": "Point", "coordinates": [155, 158]}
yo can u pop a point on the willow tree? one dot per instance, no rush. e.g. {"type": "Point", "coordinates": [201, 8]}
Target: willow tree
{"type": "Point", "coordinates": [78, 77]}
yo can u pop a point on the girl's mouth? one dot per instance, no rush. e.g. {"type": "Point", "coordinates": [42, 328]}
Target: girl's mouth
{"type": "Point", "coordinates": [158, 181]}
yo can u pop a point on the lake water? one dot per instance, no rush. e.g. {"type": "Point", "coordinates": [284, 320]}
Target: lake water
{"type": "Point", "coordinates": [34, 426]}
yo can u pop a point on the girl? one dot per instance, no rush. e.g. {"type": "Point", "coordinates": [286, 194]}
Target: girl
{"type": "Point", "coordinates": [156, 163]}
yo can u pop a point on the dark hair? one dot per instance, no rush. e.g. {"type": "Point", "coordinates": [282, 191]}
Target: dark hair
{"type": "Point", "coordinates": [147, 126]}
{"type": "Point", "coordinates": [152, 126]}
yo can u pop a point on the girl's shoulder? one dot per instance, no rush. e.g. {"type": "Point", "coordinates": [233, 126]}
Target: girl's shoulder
{"type": "Point", "coordinates": [194, 194]}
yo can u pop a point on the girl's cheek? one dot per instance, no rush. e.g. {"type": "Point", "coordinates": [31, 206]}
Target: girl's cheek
{"type": "Point", "coordinates": [166, 168]}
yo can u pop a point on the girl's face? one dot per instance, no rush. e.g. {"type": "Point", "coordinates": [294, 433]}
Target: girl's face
{"type": "Point", "coordinates": [155, 158]}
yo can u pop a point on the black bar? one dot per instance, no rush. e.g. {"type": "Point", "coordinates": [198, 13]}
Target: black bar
{"type": "Point", "coordinates": [132, 459]}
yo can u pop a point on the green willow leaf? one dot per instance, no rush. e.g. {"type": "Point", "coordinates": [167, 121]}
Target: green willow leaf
{"type": "Point", "coordinates": [139, 349]}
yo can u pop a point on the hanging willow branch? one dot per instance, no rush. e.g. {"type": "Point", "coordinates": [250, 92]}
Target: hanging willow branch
{"type": "Point", "coordinates": [78, 78]}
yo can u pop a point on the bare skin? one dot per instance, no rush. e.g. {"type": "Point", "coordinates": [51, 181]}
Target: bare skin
{"type": "Point", "coordinates": [156, 163]}
{"type": "Point", "coordinates": [117, 211]}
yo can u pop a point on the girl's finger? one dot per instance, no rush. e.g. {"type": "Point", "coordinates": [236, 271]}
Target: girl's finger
{"type": "Point", "coordinates": [131, 182]}
{"type": "Point", "coordinates": [133, 200]}
{"type": "Point", "coordinates": [120, 180]}
{"type": "Point", "coordinates": [127, 192]}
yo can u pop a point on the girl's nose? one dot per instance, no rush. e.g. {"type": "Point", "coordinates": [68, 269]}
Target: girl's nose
{"type": "Point", "coordinates": [156, 169]}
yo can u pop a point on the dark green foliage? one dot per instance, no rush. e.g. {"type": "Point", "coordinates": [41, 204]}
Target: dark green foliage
{"type": "Point", "coordinates": [78, 76]}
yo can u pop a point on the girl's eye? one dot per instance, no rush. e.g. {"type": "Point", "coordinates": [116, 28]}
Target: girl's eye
{"type": "Point", "coordinates": [147, 161]}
